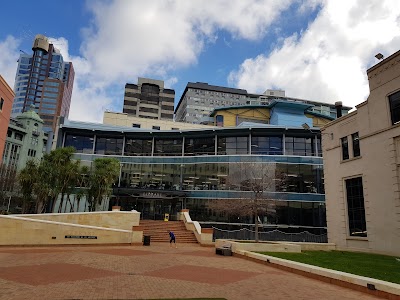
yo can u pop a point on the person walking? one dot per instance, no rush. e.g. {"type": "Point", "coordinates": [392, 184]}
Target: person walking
{"type": "Point", "coordinates": [172, 238]}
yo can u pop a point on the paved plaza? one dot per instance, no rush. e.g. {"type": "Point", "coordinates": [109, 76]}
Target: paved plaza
{"type": "Point", "coordinates": [153, 272]}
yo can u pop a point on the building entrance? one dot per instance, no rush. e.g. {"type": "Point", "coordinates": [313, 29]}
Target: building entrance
{"type": "Point", "coordinates": [152, 204]}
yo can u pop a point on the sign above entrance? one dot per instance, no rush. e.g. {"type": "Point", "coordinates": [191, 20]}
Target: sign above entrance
{"type": "Point", "coordinates": [152, 195]}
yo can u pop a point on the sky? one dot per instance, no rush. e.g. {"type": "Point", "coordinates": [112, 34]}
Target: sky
{"type": "Point", "coordinates": [313, 49]}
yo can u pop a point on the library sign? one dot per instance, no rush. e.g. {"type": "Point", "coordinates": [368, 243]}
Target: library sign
{"type": "Point", "coordinates": [90, 237]}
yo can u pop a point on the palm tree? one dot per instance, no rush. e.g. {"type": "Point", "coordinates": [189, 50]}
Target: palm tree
{"type": "Point", "coordinates": [105, 172]}
{"type": "Point", "coordinates": [27, 179]}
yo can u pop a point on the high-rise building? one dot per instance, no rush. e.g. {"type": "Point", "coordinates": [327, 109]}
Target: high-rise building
{"type": "Point", "coordinates": [6, 100]}
{"type": "Point", "coordinates": [44, 80]}
{"type": "Point", "coordinates": [149, 99]}
{"type": "Point", "coordinates": [200, 99]}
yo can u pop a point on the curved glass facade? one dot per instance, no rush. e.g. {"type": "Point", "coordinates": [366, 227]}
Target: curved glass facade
{"type": "Point", "coordinates": [167, 171]}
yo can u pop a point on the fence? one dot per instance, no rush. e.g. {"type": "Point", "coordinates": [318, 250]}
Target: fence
{"type": "Point", "coordinates": [273, 235]}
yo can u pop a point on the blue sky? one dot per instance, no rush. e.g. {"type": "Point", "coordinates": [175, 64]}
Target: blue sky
{"type": "Point", "coordinates": [312, 49]}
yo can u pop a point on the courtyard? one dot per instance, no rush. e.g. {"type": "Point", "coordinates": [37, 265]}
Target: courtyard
{"type": "Point", "coordinates": [153, 272]}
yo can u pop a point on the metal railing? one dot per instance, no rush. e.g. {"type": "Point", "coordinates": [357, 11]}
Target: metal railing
{"type": "Point", "coordinates": [273, 235]}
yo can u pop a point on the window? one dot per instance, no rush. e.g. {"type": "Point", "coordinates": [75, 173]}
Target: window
{"type": "Point", "coordinates": [267, 145]}
{"type": "Point", "coordinates": [168, 147]}
{"type": "Point", "coordinates": [233, 145]}
{"type": "Point", "coordinates": [356, 144]}
{"type": "Point", "coordinates": [1, 104]}
{"type": "Point", "coordinates": [135, 125]}
{"type": "Point", "coordinates": [156, 127]}
{"type": "Point", "coordinates": [31, 153]}
{"type": "Point", "coordinates": [345, 148]}
{"type": "Point", "coordinates": [394, 101]}
{"type": "Point", "coordinates": [82, 144]}
{"type": "Point", "coordinates": [18, 136]}
{"type": "Point", "coordinates": [220, 120]}
{"type": "Point", "coordinates": [138, 147]}
{"type": "Point", "coordinates": [303, 146]}
{"type": "Point", "coordinates": [355, 207]}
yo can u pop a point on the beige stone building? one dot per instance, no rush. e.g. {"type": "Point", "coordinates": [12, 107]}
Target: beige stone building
{"type": "Point", "coordinates": [361, 153]}
{"type": "Point", "coordinates": [149, 99]}
{"type": "Point", "coordinates": [128, 120]}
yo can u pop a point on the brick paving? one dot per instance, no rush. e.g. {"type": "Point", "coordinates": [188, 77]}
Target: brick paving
{"type": "Point", "coordinates": [150, 272]}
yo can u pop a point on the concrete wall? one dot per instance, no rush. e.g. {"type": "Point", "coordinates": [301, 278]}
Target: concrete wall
{"type": "Point", "coordinates": [123, 119]}
{"type": "Point", "coordinates": [124, 220]}
{"type": "Point", "coordinates": [378, 165]}
{"type": "Point", "coordinates": [23, 231]}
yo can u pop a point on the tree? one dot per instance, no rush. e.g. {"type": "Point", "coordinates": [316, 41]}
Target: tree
{"type": "Point", "coordinates": [255, 181]}
{"type": "Point", "coordinates": [104, 173]}
{"type": "Point", "coordinates": [27, 179]}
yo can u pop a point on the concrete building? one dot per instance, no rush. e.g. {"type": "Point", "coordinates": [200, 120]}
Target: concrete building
{"type": "Point", "coordinates": [362, 167]}
{"type": "Point", "coordinates": [128, 120]}
{"type": "Point", "coordinates": [200, 99]}
{"type": "Point", "coordinates": [149, 99]}
{"type": "Point", "coordinates": [25, 140]}
{"type": "Point", "coordinates": [45, 80]}
{"type": "Point", "coordinates": [6, 100]}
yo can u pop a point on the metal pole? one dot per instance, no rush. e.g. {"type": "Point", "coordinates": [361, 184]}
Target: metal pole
{"type": "Point", "coordinates": [119, 182]}
{"type": "Point", "coordinates": [120, 174]}
{"type": "Point", "coordinates": [9, 201]}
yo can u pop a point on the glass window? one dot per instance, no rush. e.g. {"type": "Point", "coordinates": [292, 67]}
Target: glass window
{"type": "Point", "coordinates": [156, 127]}
{"type": "Point", "coordinates": [135, 125]}
{"type": "Point", "coordinates": [266, 145]}
{"type": "Point", "coordinates": [345, 148]}
{"type": "Point", "coordinates": [168, 147]}
{"type": "Point", "coordinates": [394, 101]}
{"type": "Point", "coordinates": [109, 145]}
{"type": "Point", "coordinates": [82, 144]}
{"type": "Point", "coordinates": [233, 145]}
{"type": "Point", "coordinates": [303, 146]}
{"type": "Point", "coordinates": [200, 146]}
{"type": "Point", "coordinates": [1, 103]}
{"type": "Point", "coordinates": [356, 144]}
{"type": "Point", "coordinates": [355, 207]}
{"type": "Point", "coordinates": [47, 105]}
{"type": "Point", "coordinates": [138, 147]}
{"type": "Point", "coordinates": [220, 120]}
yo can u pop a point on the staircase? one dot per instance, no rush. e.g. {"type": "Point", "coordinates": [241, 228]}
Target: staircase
{"type": "Point", "coordinates": [158, 231]}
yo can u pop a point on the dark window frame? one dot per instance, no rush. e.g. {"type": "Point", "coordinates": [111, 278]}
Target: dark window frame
{"type": "Point", "coordinates": [356, 144]}
{"type": "Point", "coordinates": [357, 224]}
{"type": "Point", "coordinates": [394, 103]}
{"type": "Point", "coordinates": [344, 142]}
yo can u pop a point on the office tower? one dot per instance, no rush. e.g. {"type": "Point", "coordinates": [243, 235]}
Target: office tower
{"type": "Point", "coordinates": [44, 80]}
{"type": "Point", "coordinates": [6, 100]}
{"type": "Point", "coordinates": [149, 99]}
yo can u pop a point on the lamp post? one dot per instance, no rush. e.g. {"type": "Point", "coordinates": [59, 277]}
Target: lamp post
{"type": "Point", "coordinates": [119, 182]}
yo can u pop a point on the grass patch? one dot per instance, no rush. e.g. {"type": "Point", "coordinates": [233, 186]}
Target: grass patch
{"type": "Point", "coordinates": [376, 266]}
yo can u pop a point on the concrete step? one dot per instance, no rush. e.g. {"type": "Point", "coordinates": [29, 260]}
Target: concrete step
{"type": "Point", "coordinates": [158, 231]}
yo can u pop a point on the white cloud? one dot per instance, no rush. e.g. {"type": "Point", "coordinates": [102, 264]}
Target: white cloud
{"type": "Point", "coordinates": [9, 54]}
{"type": "Point", "coordinates": [328, 61]}
{"type": "Point", "coordinates": [127, 39]}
